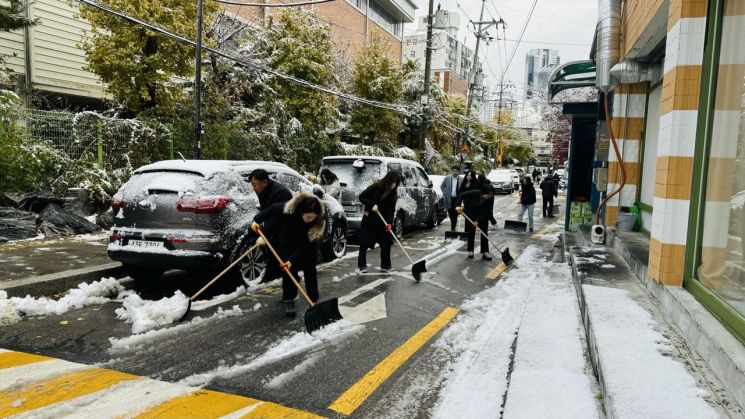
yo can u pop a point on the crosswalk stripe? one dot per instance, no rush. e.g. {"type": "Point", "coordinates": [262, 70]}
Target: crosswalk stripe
{"type": "Point", "coordinates": [199, 404]}
{"type": "Point", "coordinates": [33, 395]}
{"type": "Point", "coordinates": [273, 410]}
{"type": "Point", "coordinates": [14, 359]}
{"type": "Point", "coordinates": [38, 371]}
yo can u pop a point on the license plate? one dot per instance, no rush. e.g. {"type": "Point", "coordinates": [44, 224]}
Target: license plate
{"type": "Point", "coordinates": [350, 208]}
{"type": "Point", "coordinates": [144, 244]}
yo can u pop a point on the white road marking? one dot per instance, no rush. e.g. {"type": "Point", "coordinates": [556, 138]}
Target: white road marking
{"type": "Point", "coordinates": [37, 371]}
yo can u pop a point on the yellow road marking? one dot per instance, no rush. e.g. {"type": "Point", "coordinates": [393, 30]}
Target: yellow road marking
{"type": "Point", "coordinates": [540, 233]}
{"type": "Point", "coordinates": [65, 387]}
{"type": "Point", "coordinates": [494, 273]}
{"type": "Point", "coordinates": [273, 410]}
{"type": "Point", "coordinates": [199, 404]}
{"type": "Point", "coordinates": [351, 399]}
{"type": "Point", "coordinates": [14, 359]}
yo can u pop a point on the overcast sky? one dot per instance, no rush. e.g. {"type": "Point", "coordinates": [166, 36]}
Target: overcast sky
{"type": "Point", "coordinates": [565, 25]}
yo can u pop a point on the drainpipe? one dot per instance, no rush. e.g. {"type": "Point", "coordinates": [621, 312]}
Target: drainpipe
{"type": "Point", "coordinates": [629, 72]}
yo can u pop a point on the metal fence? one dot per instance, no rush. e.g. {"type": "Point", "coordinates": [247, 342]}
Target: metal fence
{"type": "Point", "coordinates": [114, 143]}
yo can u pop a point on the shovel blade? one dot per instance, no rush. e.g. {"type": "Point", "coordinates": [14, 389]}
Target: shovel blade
{"type": "Point", "coordinates": [455, 235]}
{"type": "Point", "coordinates": [417, 269]}
{"type": "Point", "coordinates": [186, 312]}
{"type": "Point", "coordinates": [515, 225]}
{"type": "Point", "coordinates": [506, 256]}
{"type": "Point", "coordinates": [322, 314]}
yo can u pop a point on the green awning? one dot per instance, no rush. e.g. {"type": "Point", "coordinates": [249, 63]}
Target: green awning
{"type": "Point", "coordinates": [571, 76]}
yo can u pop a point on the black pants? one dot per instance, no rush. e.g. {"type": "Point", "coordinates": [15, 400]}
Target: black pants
{"type": "Point", "coordinates": [548, 201]}
{"type": "Point", "coordinates": [289, 290]}
{"type": "Point", "coordinates": [484, 226]}
{"type": "Point", "coordinates": [453, 214]}
{"type": "Point", "coordinates": [385, 255]}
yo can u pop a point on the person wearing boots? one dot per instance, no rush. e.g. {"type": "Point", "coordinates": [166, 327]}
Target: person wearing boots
{"type": "Point", "coordinates": [296, 225]}
{"type": "Point", "coordinates": [527, 201]}
{"type": "Point", "coordinates": [548, 191]}
{"type": "Point", "coordinates": [478, 205]}
{"type": "Point", "coordinates": [381, 197]}
{"type": "Point", "coordinates": [450, 187]}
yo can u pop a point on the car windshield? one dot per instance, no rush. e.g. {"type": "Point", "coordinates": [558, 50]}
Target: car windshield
{"type": "Point", "coordinates": [355, 177]}
{"type": "Point", "coordinates": [499, 176]}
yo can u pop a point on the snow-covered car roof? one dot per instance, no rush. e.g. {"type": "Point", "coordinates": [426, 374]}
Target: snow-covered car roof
{"type": "Point", "coordinates": [207, 168]}
{"type": "Point", "coordinates": [378, 158]}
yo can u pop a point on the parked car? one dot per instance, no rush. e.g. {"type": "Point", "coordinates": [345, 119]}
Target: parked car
{"type": "Point", "coordinates": [436, 184]}
{"type": "Point", "coordinates": [501, 180]}
{"type": "Point", "coordinates": [416, 198]}
{"type": "Point", "coordinates": [515, 179]}
{"type": "Point", "coordinates": [195, 214]}
{"type": "Point", "coordinates": [520, 172]}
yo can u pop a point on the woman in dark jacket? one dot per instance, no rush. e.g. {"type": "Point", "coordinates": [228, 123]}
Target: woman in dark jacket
{"type": "Point", "coordinates": [470, 182]}
{"type": "Point", "coordinates": [297, 225]}
{"type": "Point", "coordinates": [478, 205]}
{"type": "Point", "coordinates": [527, 201]}
{"type": "Point", "coordinates": [381, 196]}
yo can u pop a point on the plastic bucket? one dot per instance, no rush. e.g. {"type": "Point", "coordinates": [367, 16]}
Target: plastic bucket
{"type": "Point", "coordinates": [626, 221]}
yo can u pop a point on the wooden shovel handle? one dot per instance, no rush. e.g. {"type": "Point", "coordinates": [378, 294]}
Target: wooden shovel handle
{"type": "Point", "coordinates": [394, 236]}
{"type": "Point", "coordinates": [482, 232]}
{"type": "Point", "coordinates": [285, 268]}
{"type": "Point", "coordinates": [220, 275]}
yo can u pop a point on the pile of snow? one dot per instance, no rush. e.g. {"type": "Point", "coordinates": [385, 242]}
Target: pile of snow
{"type": "Point", "coordinates": [147, 314]}
{"type": "Point", "coordinates": [12, 310]}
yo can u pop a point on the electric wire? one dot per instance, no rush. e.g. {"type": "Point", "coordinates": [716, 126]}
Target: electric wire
{"type": "Point", "coordinates": [522, 33]}
{"type": "Point", "coordinates": [303, 3]}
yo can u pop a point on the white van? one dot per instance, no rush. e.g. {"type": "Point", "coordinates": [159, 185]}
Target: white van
{"type": "Point", "coordinates": [416, 197]}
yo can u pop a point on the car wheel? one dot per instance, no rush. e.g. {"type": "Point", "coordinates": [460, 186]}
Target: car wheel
{"type": "Point", "coordinates": [336, 245]}
{"type": "Point", "coordinates": [143, 273]}
{"type": "Point", "coordinates": [252, 269]}
{"type": "Point", "coordinates": [398, 225]}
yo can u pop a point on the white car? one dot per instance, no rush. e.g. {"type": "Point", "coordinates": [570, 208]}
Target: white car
{"type": "Point", "coordinates": [515, 178]}
{"type": "Point", "coordinates": [501, 180]}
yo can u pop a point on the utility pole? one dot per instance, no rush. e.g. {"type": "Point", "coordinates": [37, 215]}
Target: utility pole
{"type": "Point", "coordinates": [427, 71]}
{"type": "Point", "coordinates": [500, 153]}
{"type": "Point", "coordinates": [198, 85]}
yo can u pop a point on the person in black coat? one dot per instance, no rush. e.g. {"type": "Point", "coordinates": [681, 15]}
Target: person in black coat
{"type": "Point", "coordinates": [478, 205]}
{"type": "Point", "coordinates": [296, 225]}
{"type": "Point", "coordinates": [527, 201]}
{"type": "Point", "coordinates": [470, 182]}
{"type": "Point", "coordinates": [381, 196]}
{"type": "Point", "coordinates": [268, 191]}
{"type": "Point", "coordinates": [548, 191]}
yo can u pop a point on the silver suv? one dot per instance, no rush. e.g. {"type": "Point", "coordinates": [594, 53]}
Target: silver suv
{"type": "Point", "coordinates": [417, 200]}
{"type": "Point", "coordinates": [195, 214]}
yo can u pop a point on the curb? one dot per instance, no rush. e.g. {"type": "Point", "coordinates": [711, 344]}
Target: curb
{"type": "Point", "coordinates": [55, 283]}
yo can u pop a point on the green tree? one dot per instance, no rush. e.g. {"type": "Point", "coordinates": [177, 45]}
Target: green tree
{"type": "Point", "coordinates": [136, 64]}
{"type": "Point", "coordinates": [12, 16]}
{"type": "Point", "coordinates": [376, 76]}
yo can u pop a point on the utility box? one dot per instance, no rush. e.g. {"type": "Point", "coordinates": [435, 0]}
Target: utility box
{"type": "Point", "coordinates": [600, 178]}
{"type": "Point", "coordinates": [441, 19]}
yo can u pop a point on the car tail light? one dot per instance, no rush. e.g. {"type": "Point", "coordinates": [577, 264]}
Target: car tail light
{"type": "Point", "coordinates": [117, 236]}
{"type": "Point", "coordinates": [203, 205]}
{"type": "Point", "coordinates": [117, 203]}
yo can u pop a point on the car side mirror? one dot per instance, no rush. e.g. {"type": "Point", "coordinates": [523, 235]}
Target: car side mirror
{"type": "Point", "coordinates": [318, 191]}
{"type": "Point", "coordinates": [430, 184]}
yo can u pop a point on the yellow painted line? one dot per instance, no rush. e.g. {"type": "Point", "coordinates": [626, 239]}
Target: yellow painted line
{"type": "Point", "coordinates": [540, 233]}
{"type": "Point", "coordinates": [199, 404]}
{"type": "Point", "coordinates": [351, 399]}
{"type": "Point", "coordinates": [37, 394]}
{"type": "Point", "coordinates": [273, 410]}
{"type": "Point", "coordinates": [14, 359]}
{"type": "Point", "coordinates": [494, 273]}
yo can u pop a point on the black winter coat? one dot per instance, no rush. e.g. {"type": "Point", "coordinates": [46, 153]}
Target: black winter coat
{"type": "Point", "coordinates": [476, 207]}
{"type": "Point", "coordinates": [372, 229]}
{"type": "Point", "coordinates": [273, 193]}
{"type": "Point", "coordinates": [294, 240]}
{"type": "Point", "coordinates": [548, 187]}
{"type": "Point", "coordinates": [527, 196]}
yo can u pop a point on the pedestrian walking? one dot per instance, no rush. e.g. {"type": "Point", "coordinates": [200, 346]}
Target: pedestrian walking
{"type": "Point", "coordinates": [450, 187]}
{"type": "Point", "coordinates": [330, 184]}
{"type": "Point", "coordinates": [381, 196]}
{"type": "Point", "coordinates": [548, 191]}
{"type": "Point", "coordinates": [268, 190]}
{"type": "Point", "coordinates": [296, 226]}
{"type": "Point", "coordinates": [527, 201]}
{"type": "Point", "coordinates": [470, 182]}
{"type": "Point", "coordinates": [478, 205]}
{"type": "Point", "coordinates": [536, 175]}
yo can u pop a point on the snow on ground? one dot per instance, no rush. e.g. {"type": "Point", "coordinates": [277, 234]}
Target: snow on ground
{"type": "Point", "coordinates": [138, 340]}
{"type": "Point", "coordinates": [12, 310]}
{"type": "Point", "coordinates": [295, 344]}
{"type": "Point", "coordinates": [147, 314]}
{"type": "Point", "coordinates": [533, 308]}
{"type": "Point", "coordinates": [641, 381]}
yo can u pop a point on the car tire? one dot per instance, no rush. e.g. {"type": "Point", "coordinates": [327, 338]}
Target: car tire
{"type": "Point", "coordinates": [251, 270]}
{"type": "Point", "coordinates": [336, 245]}
{"type": "Point", "coordinates": [143, 273]}
{"type": "Point", "coordinates": [398, 225]}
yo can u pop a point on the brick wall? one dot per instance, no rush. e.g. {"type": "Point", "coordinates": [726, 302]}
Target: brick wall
{"type": "Point", "coordinates": [638, 15]}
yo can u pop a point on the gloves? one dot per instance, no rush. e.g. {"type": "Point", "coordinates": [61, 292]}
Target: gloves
{"type": "Point", "coordinates": [375, 208]}
{"type": "Point", "coordinates": [260, 241]}
{"type": "Point", "coordinates": [459, 209]}
{"type": "Point", "coordinates": [474, 224]}
{"type": "Point", "coordinates": [388, 228]}
{"type": "Point", "coordinates": [255, 227]}
{"type": "Point", "coordinates": [285, 265]}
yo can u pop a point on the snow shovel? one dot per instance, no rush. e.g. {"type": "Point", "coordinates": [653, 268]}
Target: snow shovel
{"type": "Point", "coordinates": [455, 234]}
{"type": "Point", "coordinates": [220, 275]}
{"type": "Point", "coordinates": [506, 256]}
{"type": "Point", "coordinates": [515, 225]}
{"type": "Point", "coordinates": [416, 268]}
{"type": "Point", "coordinates": [319, 314]}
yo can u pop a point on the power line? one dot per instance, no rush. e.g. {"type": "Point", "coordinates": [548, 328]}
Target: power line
{"type": "Point", "coordinates": [303, 3]}
{"type": "Point", "coordinates": [522, 32]}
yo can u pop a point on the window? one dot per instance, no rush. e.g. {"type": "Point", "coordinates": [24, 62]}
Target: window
{"type": "Point", "coordinates": [423, 179]}
{"type": "Point", "coordinates": [717, 263]}
{"type": "Point", "coordinates": [396, 167]}
{"type": "Point", "coordinates": [411, 177]}
{"type": "Point", "coordinates": [384, 18]}
{"type": "Point", "coordinates": [291, 181]}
